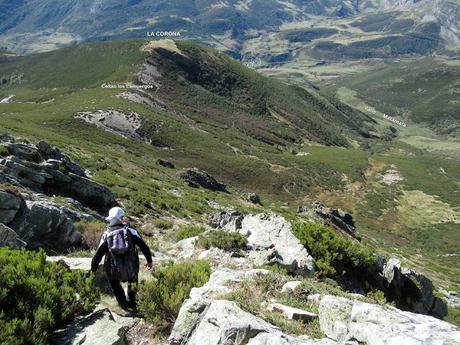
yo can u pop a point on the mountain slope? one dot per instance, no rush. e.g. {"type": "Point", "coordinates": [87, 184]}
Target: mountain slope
{"type": "Point", "coordinates": [31, 25]}
{"type": "Point", "coordinates": [198, 108]}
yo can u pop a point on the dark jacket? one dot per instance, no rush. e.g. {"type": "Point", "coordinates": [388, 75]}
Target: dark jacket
{"type": "Point", "coordinates": [103, 248]}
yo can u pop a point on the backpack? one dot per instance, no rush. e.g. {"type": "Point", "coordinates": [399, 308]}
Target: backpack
{"type": "Point", "coordinates": [123, 262]}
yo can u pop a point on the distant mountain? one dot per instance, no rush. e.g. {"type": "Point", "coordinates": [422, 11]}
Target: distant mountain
{"type": "Point", "coordinates": [37, 25]}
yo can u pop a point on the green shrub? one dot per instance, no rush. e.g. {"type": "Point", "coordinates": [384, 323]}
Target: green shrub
{"type": "Point", "coordinates": [91, 233]}
{"type": "Point", "coordinates": [163, 223]}
{"type": "Point", "coordinates": [38, 297]}
{"type": "Point", "coordinates": [222, 240]}
{"type": "Point", "coordinates": [162, 297]}
{"type": "Point", "coordinates": [189, 231]}
{"type": "Point", "coordinates": [335, 254]}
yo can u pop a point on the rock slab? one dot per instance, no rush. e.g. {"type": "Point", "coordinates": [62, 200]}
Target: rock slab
{"type": "Point", "coordinates": [342, 319]}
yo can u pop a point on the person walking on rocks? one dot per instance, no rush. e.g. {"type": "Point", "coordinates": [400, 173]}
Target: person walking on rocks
{"type": "Point", "coordinates": [118, 244]}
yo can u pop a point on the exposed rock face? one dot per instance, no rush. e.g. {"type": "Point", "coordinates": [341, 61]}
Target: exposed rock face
{"type": "Point", "coordinates": [100, 327]}
{"type": "Point", "coordinates": [204, 320]}
{"type": "Point", "coordinates": [342, 319]}
{"type": "Point", "coordinates": [410, 289]}
{"type": "Point", "coordinates": [9, 206]}
{"type": "Point", "coordinates": [45, 169]}
{"type": "Point", "coordinates": [331, 216]}
{"type": "Point", "coordinates": [34, 173]}
{"type": "Point", "coordinates": [9, 238]}
{"type": "Point", "coordinates": [191, 311]}
{"type": "Point", "coordinates": [272, 236]}
{"type": "Point", "coordinates": [270, 240]}
{"type": "Point", "coordinates": [198, 178]}
{"type": "Point", "coordinates": [223, 322]}
{"type": "Point", "coordinates": [227, 220]}
{"type": "Point", "coordinates": [47, 226]}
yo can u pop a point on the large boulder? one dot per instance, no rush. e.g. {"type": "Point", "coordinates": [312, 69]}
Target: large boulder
{"type": "Point", "coordinates": [44, 169]}
{"type": "Point", "coordinates": [100, 327]}
{"type": "Point", "coordinates": [9, 238]}
{"type": "Point", "coordinates": [410, 289]}
{"type": "Point", "coordinates": [9, 206]}
{"type": "Point", "coordinates": [198, 178]}
{"type": "Point", "coordinates": [342, 320]}
{"type": "Point", "coordinates": [272, 237]}
{"type": "Point", "coordinates": [220, 282]}
{"type": "Point", "coordinates": [223, 322]}
{"type": "Point", "coordinates": [46, 225]}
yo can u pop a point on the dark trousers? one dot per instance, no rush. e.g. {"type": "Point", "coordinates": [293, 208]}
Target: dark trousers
{"type": "Point", "coordinates": [119, 292]}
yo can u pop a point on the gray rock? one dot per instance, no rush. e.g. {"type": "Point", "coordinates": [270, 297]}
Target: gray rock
{"type": "Point", "coordinates": [91, 194]}
{"type": "Point", "coordinates": [292, 313]}
{"type": "Point", "coordinates": [46, 225]}
{"type": "Point", "coordinates": [9, 238]}
{"type": "Point", "coordinates": [282, 339]}
{"type": "Point", "coordinates": [44, 169]}
{"type": "Point", "coordinates": [9, 201]}
{"type": "Point", "coordinates": [100, 327]}
{"type": "Point", "coordinates": [187, 247]}
{"type": "Point", "coordinates": [331, 216]}
{"type": "Point", "coordinates": [410, 289]}
{"type": "Point", "coordinates": [220, 282]}
{"type": "Point", "coordinates": [291, 286]}
{"type": "Point", "coordinates": [165, 163]}
{"type": "Point", "coordinates": [50, 152]}
{"type": "Point", "coordinates": [273, 234]}
{"type": "Point", "coordinates": [24, 151]}
{"type": "Point", "coordinates": [229, 221]}
{"type": "Point", "coordinates": [253, 198]}
{"type": "Point", "coordinates": [342, 319]}
{"type": "Point", "coordinates": [198, 178]}
{"type": "Point", "coordinates": [452, 299]}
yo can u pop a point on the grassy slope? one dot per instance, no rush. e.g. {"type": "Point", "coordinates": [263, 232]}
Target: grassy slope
{"type": "Point", "coordinates": [424, 90]}
{"type": "Point", "coordinates": [346, 177]}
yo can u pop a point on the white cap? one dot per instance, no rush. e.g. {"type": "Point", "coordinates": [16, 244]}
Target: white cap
{"type": "Point", "coordinates": [115, 212]}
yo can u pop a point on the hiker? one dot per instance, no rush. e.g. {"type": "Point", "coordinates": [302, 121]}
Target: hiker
{"type": "Point", "coordinates": [118, 244]}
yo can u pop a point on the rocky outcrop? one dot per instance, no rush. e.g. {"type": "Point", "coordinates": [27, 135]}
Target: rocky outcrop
{"type": "Point", "coordinates": [226, 220]}
{"type": "Point", "coordinates": [9, 238]}
{"type": "Point", "coordinates": [100, 327]}
{"type": "Point", "coordinates": [44, 169]}
{"type": "Point", "coordinates": [270, 239]}
{"type": "Point", "coordinates": [342, 320]}
{"type": "Point", "coordinates": [204, 319]}
{"type": "Point", "coordinates": [410, 289]}
{"type": "Point", "coordinates": [190, 314]}
{"type": "Point", "coordinates": [331, 216]}
{"type": "Point", "coordinates": [223, 322]}
{"type": "Point", "coordinates": [201, 179]}
{"type": "Point", "coordinates": [46, 225]}
{"type": "Point", "coordinates": [30, 176]}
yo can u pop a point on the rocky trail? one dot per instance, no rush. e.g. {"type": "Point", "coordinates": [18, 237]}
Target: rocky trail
{"type": "Point", "coordinates": [44, 193]}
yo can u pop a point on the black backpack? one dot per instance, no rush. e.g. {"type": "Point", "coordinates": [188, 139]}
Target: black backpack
{"type": "Point", "coordinates": [122, 260]}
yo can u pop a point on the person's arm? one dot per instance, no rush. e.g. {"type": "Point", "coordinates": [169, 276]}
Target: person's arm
{"type": "Point", "coordinates": [144, 248]}
{"type": "Point", "coordinates": [101, 251]}
{"type": "Point", "coordinates": [137, 240]}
